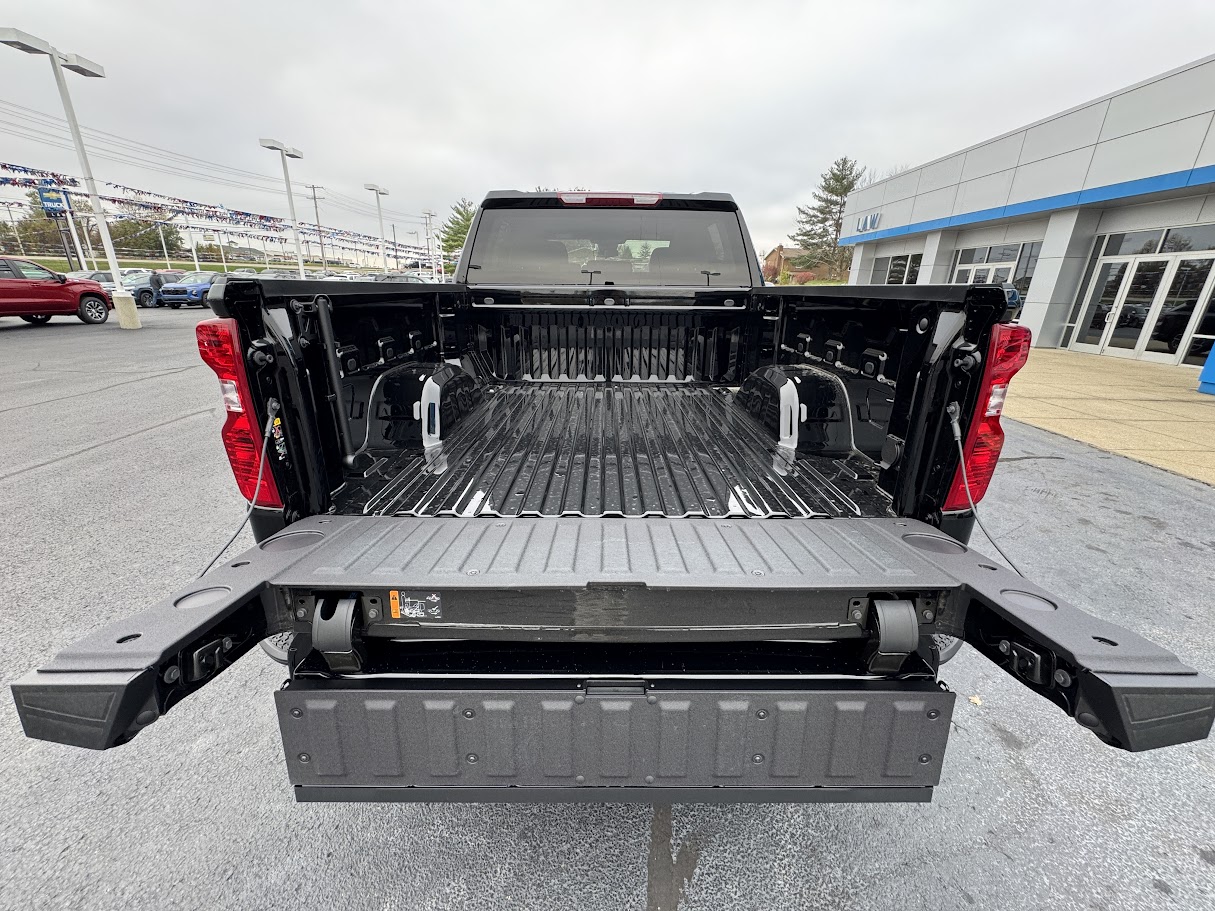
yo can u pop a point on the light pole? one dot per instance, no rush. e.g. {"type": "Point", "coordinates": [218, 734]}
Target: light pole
{"type": "Point", "coordinates": [416, 243]}
{"type": "Point", "coordinates": [428, 215]}
{"type": "Point", "coordinates": [16, 233]}
{"type": "Point", "coordinates": [320, 233]}
{"type": "Point", "coordinates": [286, 152]}
{"type": "Point", "coordinates": [380, 191]}
{"type": "Point", "coordinates": [124, 303]}
{"type": "Point", "coordinates": [163, 246]}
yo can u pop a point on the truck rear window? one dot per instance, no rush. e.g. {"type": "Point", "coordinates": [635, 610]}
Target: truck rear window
{"type": "Point", "coordinates": [606, 246]}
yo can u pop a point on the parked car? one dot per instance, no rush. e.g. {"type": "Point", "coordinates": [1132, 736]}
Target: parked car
{"type": "Point", "coordinates": [189, 290]}
{"type": "Point", "coordinates": [146, 289]}
{"type": "Point", "coordinates": [35, 294]}
{"type": "Point", "coordinates": [524, 541]}
{"type": "Point", "coordinates": [93, 275]}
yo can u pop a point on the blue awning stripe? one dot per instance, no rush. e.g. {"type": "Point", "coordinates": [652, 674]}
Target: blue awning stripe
{"type": "Point", "coordinates": [1194, 177]}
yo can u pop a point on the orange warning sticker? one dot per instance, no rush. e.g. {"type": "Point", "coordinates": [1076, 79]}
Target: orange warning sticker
{"type": "Point", "coordinates": [394, 601]}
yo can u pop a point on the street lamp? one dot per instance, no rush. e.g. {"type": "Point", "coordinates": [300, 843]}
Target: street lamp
{"type": "Point", "coordinates": [379, 191]}
{"type": "Point", "coordinates": [286, 152]}
{"type": "Point", "coordinates": [436, 263]}
{"type": "Point", "coordinates": [124, 303]}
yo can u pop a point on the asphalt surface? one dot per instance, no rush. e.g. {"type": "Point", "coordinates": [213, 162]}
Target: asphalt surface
{"type": "Point", "coordinates": [114, 490]}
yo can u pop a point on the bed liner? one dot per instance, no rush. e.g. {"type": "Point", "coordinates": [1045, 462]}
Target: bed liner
{"type": "Point", "coordinates": [614, 449]}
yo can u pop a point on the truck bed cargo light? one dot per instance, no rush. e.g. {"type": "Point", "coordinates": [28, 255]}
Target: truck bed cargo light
{"type": "Point", "coordinates": [610, 199]}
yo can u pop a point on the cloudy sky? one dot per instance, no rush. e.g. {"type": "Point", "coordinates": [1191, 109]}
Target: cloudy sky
{"type": "Point", "coordinates": [452, 98]}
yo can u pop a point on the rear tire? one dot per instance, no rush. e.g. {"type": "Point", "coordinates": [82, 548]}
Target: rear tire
{"type": "Point", "coordinates": [93, 310]}
{"type": "Point", "coordinates": [38, 319]}
{"type": "Point", "coordinates": [146, 299]}
{"type": "Point", "coordinates": [176, 305]}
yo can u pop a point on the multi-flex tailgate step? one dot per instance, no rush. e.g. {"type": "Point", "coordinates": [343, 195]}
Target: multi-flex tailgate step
{"type": "Point", "coordinates": [611, 581]}
{"type": "Point", "coordinates": [379, 742]}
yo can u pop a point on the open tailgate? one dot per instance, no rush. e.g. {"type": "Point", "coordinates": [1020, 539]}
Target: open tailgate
{"type": "Point", "coordinates": [352, 586]}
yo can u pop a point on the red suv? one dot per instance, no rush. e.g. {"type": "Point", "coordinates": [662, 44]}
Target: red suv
{"type": "Point", "coordinates": [35, 294]}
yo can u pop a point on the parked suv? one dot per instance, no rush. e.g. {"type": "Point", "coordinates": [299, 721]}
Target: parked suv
{"type": "Point", "coordinates": [35, 294]}
{"type": "Point", "coordinates": [191, 288]}
{"type": "Point", "coordinates": [145, 286]}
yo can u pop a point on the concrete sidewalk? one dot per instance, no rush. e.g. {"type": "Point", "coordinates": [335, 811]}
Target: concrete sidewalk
{"type": "Point", "coordinates": [1148, 412]}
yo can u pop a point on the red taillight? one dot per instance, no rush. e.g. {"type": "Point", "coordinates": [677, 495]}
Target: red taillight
{"type": "Point", "coordinates": [219, 345]}
{"type": "Point", "coordinates": [610, 199]}
{"type": "Point", "coordinates": [1008, 352]}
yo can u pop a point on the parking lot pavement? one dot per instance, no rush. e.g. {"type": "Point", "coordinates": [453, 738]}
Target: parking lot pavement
{"type": "Point", "coordinates": [115, 489]}
{"type": "Point", "coordinates": [1148, 412]}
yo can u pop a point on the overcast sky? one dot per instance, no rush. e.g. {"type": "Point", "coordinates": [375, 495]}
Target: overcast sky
{"type": "Point", "coordinates": [452, 98]}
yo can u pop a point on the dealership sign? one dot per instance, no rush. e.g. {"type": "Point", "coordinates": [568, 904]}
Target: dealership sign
{"type": "Point", "coordinates": [54, 201]}
{"type": "Point", "coordinates": [868, 222]}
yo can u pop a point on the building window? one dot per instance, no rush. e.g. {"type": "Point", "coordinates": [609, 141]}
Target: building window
{"type": "Point", "coordinates": [1070, 329]}
{"type": "Point", "coordinates": [896, 270]}
{"type": "Point", "coordinates": [1001, 264]}
{"type": "Point", "coordinates": [1027, 261]}
{"type": "Point", "coordinates": [1189, 240]}
{"type": "Point", "coordinates": [1133, 244]}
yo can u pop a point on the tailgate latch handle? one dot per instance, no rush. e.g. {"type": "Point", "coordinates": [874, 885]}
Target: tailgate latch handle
{"type": "Point", "coordinates": [898, 635]}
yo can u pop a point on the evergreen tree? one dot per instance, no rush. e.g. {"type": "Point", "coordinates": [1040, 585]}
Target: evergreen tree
{"type": "Point", "coordinates": [455, 230]}
{"type": "Point", "coordinates": [819, 226]}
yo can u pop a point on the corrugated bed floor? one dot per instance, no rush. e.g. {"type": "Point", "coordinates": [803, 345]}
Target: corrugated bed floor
{"type": "Point", "coordinates": [611, 449]}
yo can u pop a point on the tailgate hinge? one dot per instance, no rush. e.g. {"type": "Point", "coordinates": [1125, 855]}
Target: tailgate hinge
{"type": "Point", "coordinates": [333, 634]}
{"type": "Point", "coordinates": [896, 637]}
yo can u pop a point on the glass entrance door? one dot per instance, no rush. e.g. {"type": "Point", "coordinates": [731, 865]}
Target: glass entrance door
{"type": "Point", "coordinates": [1104, 292]}
{"type": "Point", "coordinates": [1126, 320]}
{"type": "Point", "coordinates": [1164, 334]}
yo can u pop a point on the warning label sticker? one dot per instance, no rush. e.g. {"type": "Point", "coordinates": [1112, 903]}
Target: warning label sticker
{"type": "Point", "coordinates": [415, 605]}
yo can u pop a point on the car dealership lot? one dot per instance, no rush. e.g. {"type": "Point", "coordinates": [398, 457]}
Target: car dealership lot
{"type": "Point", "coordinates": [115, 490]}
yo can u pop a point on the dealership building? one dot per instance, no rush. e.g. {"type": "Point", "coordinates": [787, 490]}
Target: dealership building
{"type": "Point", "coordinates": [1102, 216]}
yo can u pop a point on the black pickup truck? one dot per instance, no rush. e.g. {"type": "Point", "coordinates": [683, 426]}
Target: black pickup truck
{"type": "Point", "coordinates": [607, 518]}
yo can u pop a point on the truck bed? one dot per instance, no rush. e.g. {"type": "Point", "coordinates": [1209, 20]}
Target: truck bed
{"type": "Point", "coordinates": [552, 449]}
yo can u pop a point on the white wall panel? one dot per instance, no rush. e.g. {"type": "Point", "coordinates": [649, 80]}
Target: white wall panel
{"type": "Point", "coordinates": [865, 200]}
{"type": "Point", "coordinates": [900, 186]}
{"type": "Point", "coordinates": [991, 157]}
{"type": "Point", "coordinates": [943, 173]}
{"type": "Point", "coordinates": [937, 204]}
{"type": "Point", "coordinates": [1184, 211]}
{"type": "Point", "coordinates": [983, 193]}
{"type": "Point", "coordinates": [1160, 150]}
{"type": "Point", "coordinates": [1064, 134]}
{"type": "Point", "coordinates": [1165, 100]}
{"type": "Point", "coordinates": [1051, 177]}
